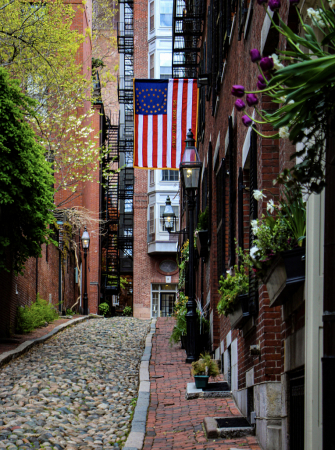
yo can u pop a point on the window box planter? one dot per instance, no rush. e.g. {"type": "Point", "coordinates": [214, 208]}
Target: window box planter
{"type": "Point", "coordinates": [202, 243]}
{"type": "Point", "coordinates": [285, 275]}
{"type": "Point", "coordinates": [241, 313]}
{"type": "Point", "coordinates": [201, 381]}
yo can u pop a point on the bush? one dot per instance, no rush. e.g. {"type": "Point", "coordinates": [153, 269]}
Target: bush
{"type": "Point", "coordinates": [104, 308]}
{"type": "Point", "coordinates": [127, 311]}
{"type": "Point", "coordinates": [35, 315]}
{"type": "Point", "coordinates": [205, 366]}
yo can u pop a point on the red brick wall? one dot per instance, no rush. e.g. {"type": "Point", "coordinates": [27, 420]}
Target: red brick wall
{"type": "Point", "coordinates": [20, 290]}
{"type": "Point", "coordinates": [272, 158]}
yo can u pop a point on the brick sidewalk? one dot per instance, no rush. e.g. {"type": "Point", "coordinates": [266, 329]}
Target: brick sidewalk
{"type": "Point", "coordinates": [175, 423]}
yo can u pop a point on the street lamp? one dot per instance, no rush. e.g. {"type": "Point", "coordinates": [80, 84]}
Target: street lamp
{"type": "Point", "coordinates": [85, 240]}
{"type": "Point", "coordinates": [169, 216]}
{"type": "Point", "coordinates": [190, 168]}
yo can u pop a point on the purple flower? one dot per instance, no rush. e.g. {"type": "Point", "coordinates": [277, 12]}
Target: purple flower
{"type": "Point", "coordinates": [240, 105]}
{"type": "Point", "coordinates": [252, 99]}
{"type": "Point", "coordinates": [246, 121]}
{"type": "Point", "coordinates": [261, 78]}
{"type": "Point", "coordinates": [237, 90]}
{"type": "Point", "coordinates": [260, 85]}
{"type": "Point", "coordinates": [274, 4]}
{"type": "Point", "coordinates": [255, 55]}
{"type": "Point", "coordinates": [266, 63]}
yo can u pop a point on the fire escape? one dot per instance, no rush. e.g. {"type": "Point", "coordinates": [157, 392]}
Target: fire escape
{"type": "Point", "coordinates": [110, 252]}
{"type": "Point", "coordinates": [125, 42]}
{"type": "Point", "coordinates": [187, 27]}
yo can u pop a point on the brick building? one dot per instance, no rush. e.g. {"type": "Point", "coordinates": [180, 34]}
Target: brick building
{"type": "Point", "coordinates": [147, 251]}
{"type": "Point", "coordinates": [265, 351]}
{"type": "Point", "coordinates": [55, 278]}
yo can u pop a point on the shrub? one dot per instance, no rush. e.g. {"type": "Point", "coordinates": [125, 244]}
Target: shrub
{"type": "Point", "coordinates": [127, 311]}
{"type": "Point", "coordinates": [104, 308]}
{"type": "Point", "coordinates": [35, 315]}
{"type": "Point", "coordinates": [205, 366]}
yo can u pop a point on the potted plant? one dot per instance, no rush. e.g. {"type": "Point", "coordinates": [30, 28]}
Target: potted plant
{"type": "Point", "coordinates": [234, 296]}
{"type": "Point", "coordinates": [204, 368]}
{"type": "Point", "coordinates": [180, 329]}
{"type": "Point", "coordinates": [278, 254]}
{"type": "Point", "coordinates": [201, 233]}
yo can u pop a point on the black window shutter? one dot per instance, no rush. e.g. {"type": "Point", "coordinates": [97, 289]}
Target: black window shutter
{"type": "Point", "coordinates": [209, 175]}
{"type": "Point", "coordinates": [221, 216]}
{"type": "Point", "coordinates": [232, 193]}
{"type": "Point", "coordinates": [209, 45]}
{"type": "Point", "coordinates": [240, 207]}
{"type": "Point", "coordinates": [253, 285]}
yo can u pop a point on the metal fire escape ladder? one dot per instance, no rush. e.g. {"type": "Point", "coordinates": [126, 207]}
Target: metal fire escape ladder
{"type": "Point", "coordinates": [126, 139]}
{"type": "Point", "coordinates": [187, 28]}
{"type": "Point", "coordinates": [111, 186]}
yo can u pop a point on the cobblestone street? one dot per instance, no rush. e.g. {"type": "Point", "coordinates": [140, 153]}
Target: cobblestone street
{"type": "Point", "coordinates": [75, 391]}
{"type": "Point", "coordinates": [175, 423]}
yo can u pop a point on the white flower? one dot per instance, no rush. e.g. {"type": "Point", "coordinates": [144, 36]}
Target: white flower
{"type": "Point", "coordinates": [253, 251]}
{"type": "Point", "coordinates": [277, 64]}
{"type": "Point", "coordinates": [332, 4]}
{"type": "Point", "coordinates": [270, 206]}
{"type": "Point", "coordinates": [291, 102]}
{"type": "Point", "coordinates": [284, 132]}
{"type": "Point", "coordinates": [283, 98]}
{"type": "Point", "coordinates": [258, 195]}
{"type": "Point", "coordinates": [254, 227]}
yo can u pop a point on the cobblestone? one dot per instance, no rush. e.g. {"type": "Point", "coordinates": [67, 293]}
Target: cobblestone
{"type": "Point", "coordinates": [76, 390]}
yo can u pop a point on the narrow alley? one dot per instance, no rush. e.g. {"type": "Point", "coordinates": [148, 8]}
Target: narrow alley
{"type": "Point", "coordinates": [173, 422]}
{"type": "Point", "coordinates": [76, 391]}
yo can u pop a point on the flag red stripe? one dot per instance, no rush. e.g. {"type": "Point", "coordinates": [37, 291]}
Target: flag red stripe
{"type": "Point", "coordinates": [184, 116]}
{"type": "Point", "coordinates": [136, 142]}
{"type": "Point", "coordinates": [164, 159]}
{"type": "Point", "coordinates": [194, 109]}
{"type": "Point", "coordinates": [174, 123]}
{"type": "Point", "coordinates": [155, 132]}
{"type": "Point", "coordinates": [145, 141]}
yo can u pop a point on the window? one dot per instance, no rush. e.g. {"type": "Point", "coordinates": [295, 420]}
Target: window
{"type": "Point", "coordinates": [152, 65]}
{"type": "Point", "coordinates": [152, 219]}
{"type": "Point", "coordinates": [166, 13]}
{"type": "Point", "coordinates": [163, 297]}
{"type": "Point", "coordinates": [170, 175]}
{"type": "Point", "coordinates": [161, 222]}
{"type": "Point", "coordinates": [165, 66]}
{"type": "Point", "coordinates": [152, 16]}
{"type": "Point", "coordinates": [151, 177]}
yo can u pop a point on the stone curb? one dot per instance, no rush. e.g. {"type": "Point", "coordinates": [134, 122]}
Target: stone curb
{"type": "Point", "coordinates": [25, 346]}
{"type": "Point", "coordinates": [135, 439]}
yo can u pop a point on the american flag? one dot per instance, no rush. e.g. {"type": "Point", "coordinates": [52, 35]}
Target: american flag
{"type": "Point", "coordinates": [164, 111]}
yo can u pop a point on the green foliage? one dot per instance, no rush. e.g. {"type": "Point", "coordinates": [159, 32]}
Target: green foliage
{"type": "Point", "coordinates": [35, 315]}
{"type": "Point", "coordinates": [180, 328]}
{"type": "Point", "coordinates": [231, 287]}
{"type": "Point", "coordinates": [104, 308]}
{"type": "Point", "coordinates": [127, 311]}
{"type": "Point", "coordinates": [281, 230]}
{"type": "Point", "coordinates": [26, 193]}
{"type": "Point", "coordinates": [123, 282]}
{"type": "Point", "coordinates": [203, 219]}
{"type": "Point", "coordinates": [205, 366]}
{"type": "Point", "coordinates": [184, 257]}
{"type": "Point", "coordinates": [305, 93]}
{"type": "Point", "coordinates": [69, 312]}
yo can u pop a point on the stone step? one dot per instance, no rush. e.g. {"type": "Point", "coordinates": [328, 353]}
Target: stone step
{"type": "Point", "coordinates": [227, 427]}
{"type": "Point", "coordinates": [222, 391]}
